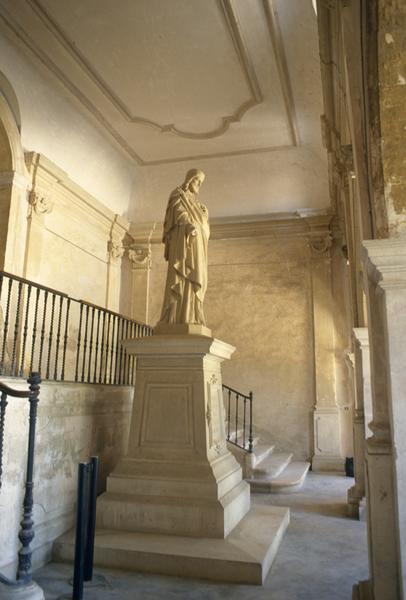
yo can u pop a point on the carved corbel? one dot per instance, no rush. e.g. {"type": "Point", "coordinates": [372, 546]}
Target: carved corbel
{"type": "Point", "coordinates": [320, 245]}
{"type": "Point", "coordinates": [39, 201]}
{"type": "Point", "coordinates": [115, 249]}
{"type": "Point", "coordinates": [140, 256]}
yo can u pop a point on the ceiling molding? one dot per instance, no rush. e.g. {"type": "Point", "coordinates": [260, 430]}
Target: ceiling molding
{"type": "Point", "coordinates": [282, 65]}
{"type": "Point", "coordinates": [291, 224]}
{"type": "Point", "coordinates": [243, 55]}
{"type": "Point", "coordinates": [231, 20]}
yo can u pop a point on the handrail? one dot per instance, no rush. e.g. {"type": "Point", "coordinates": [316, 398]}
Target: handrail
{"type": "Point", "coordinates": [63, 338]}
{"type": "Point", "coordinates": [233, 414]}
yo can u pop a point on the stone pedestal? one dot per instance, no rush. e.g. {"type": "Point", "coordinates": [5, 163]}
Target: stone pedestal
{"type": "Point", "coordinates": [176, 504]}
{"type": "Point", "coordinates": [178, 476]}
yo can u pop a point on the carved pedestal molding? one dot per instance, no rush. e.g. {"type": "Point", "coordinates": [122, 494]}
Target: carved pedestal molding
{"type": "Point", "coordinates": [385, 268]}
{"type": "Point", "coordinates": [361, 417]}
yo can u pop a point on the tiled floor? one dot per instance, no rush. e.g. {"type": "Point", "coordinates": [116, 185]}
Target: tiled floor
{"type": "Point", "coordinates": [322, 555]}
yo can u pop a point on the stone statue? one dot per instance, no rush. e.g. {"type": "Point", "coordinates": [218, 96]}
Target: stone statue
{"type": "Point", "coordinates": [186, 234]}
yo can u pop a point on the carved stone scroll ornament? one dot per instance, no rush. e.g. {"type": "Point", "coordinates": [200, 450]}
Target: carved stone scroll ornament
{"type": "Point", "coordinates": [320, 245]}
{"type": "Point", "coordinates": [40, 202]}
{"type": "Point", "coordinates": [115, 249]}
{"type": "Point", "coordinates": [140, 256]}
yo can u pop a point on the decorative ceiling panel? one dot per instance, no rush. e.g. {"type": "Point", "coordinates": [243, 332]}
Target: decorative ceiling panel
{"type": "Point", "coordinates": [169, 80]}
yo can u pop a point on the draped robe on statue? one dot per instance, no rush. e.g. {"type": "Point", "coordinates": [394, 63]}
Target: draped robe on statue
{"type": "Point", "coordinates": [186, 281]}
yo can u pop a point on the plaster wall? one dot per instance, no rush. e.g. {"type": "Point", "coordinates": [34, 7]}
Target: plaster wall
{"type": "Point", "coordinates": [75, 421]}
{"type": "Point", "coordinates": [259, 300]}
{"type": "Point", "coordinates": [52, 124]}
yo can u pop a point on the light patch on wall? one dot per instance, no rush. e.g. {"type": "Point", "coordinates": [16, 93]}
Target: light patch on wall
{"type": "Point", "coordinates": [401, 79]}
{"type": "Point", "coordinates": [389, 38]}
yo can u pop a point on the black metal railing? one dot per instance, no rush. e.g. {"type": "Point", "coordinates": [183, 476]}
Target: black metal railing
{"type": "Point", "coordinates": [238, 408]}
{"type": "Point", "coordinates": [62, 338]}
{"type": "Point", "coordinates": [26, 535]}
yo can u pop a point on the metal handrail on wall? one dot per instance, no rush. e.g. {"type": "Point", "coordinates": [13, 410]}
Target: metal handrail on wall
{"type": "Point", "coordinates": [238, 407]}
{"type": "Point", "coordinates": [63, 338]}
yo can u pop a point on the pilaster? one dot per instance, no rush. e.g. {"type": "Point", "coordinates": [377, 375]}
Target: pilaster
{"type": "Point", "coordinates": [140, 256]}
{"type": "Point", "coordinates": [327, 435]}
{"type": "Point", "coordinates": [115, 253]}
{"type": "Point", "coordinates": [362, 416]}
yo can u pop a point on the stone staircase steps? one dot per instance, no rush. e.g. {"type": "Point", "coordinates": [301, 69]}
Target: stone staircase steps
{"type": "Point", "coordinates": [261, 452]}
{"type": "Point", "coordinates": [272, 465]}
{"type": "Point", "coordinates": [289, 479]}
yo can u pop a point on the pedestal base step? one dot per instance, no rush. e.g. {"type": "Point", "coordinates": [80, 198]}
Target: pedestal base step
{"type": "Point", "coordinates": [289, 480]}
{"type": "Point", "coordinates": [245, 556]}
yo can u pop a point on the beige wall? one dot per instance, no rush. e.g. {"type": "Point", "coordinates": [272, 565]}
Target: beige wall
{"type": "Point", "coordinates": [259, 300]}
{"type": "Point", "coordinates": [75, 421]}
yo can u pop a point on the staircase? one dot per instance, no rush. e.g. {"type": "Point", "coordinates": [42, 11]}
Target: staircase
{"type": "Point", "coordinates": [264, 469]}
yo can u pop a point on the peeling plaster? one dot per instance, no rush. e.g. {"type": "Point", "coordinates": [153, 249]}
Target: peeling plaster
{"type": "Point", "coordinates": [389, 38]}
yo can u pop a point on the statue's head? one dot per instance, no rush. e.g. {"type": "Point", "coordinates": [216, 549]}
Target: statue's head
{"type": "Point", "coordinates": [193, 180]}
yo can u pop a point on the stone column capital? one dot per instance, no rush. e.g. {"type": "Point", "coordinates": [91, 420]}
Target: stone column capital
{"type": "Point", "coordinates": [140, 256]}
{"type": "Point", "coordinates": [385, 263]}
{"type": "Point", "coordinates": [361, 337]}
{"type": "Point", "coordinates": [40, 201]}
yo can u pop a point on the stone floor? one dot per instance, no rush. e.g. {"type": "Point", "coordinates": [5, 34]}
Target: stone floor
{"type": "Point", "coordinates": [322, 555]}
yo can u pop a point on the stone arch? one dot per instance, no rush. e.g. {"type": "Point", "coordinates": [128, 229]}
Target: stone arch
{"type": "Point", "coordinates": [14, 183]}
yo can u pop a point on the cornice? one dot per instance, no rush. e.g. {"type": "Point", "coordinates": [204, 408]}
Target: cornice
{"type": "Point", "coordinates": [52, 180]}
{"type": "Point", "coordinates": [385, 262]}
{"type": "Point", "coordinates": [278, 225]}
{"type": "Point", "coordinates": [360, 336]}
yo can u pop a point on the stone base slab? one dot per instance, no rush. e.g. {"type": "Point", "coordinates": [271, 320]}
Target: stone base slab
{"type": "Point", "coordinates": [245, 556]}
{"type": "Point", "coordinates": [32, 591]}
{"type": "Point", "coordinates": [328, 463]}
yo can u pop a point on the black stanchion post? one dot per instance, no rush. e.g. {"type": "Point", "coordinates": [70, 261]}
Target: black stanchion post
{"type": "Point", "coordinates": [81, 514]}
{"type": "Point", "coordinates": [91, 523]}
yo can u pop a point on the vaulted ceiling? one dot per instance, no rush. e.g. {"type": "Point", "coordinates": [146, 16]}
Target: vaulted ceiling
{"type": "Point", "coordinates": [208, 81]}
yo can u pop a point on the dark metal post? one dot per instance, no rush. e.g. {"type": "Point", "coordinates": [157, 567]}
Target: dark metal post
{"type": "Point", "coordinates": [250, 438]}
{"type": "Point", "coordinates": [3, 406]}
{"type": "Point", "coordinates": [80, 540]}
{"type": "Point", "coordinates": [26, 535]}
{"type": "Point", "coordinates": [91, 523]}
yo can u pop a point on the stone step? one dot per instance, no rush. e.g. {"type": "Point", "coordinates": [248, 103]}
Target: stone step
{"type": "Point", "coordinates": [255, 439]}
{"type": "Point", "coordinates": [261, 452]}
{"type": "Point", "coordinates": [272, 465]}
{"type": "Point", "coordinates": [289, 480]}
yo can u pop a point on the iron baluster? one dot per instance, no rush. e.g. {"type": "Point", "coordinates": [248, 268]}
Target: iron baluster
{"type": "Point", "coordinates": [85, 344]}
{"type": "Point", "coordinates": [126, 356]}
{"type": "Point", "coordinates": [243, 426]}
{"type": "Point", "coordinates": [41, 345]}
{"type": "Point", "coordinates": [112, 347]}
{"type": "Point", "coordinates": [120, 363]}
{"type": "Point", "coordinates": [90, 346]}
{"type": "Point", "coordinates": [78, 342]}
{"type": "Point", "coordinates": [102, 347]}
{"type": "Point", "coordinates": [25, 330]}
{"type": "Point", "coordinates": [250, 438]}
{"type": "Point", "coordinates": [16, 330]}
{"type": "Point", "coordinates": [132, 357]}
{"type": "Point", "coordinates": [65, 339]}
{"type": "Point", "coordinates": [107, 348]}
{"type": "Point", "coordinates": [34, 328]}
{"type": "Point", "coordinates": [58, 337]}
{"type": "Point", "coordinates": [6, 323]}
{"type": "Point", "coordinates": [51, 335]}
{"type": "Point", "coordinates": [26, 535]}
{"type": "Point", "coordinates": [96, 347]}
{"type": "Point", "coordinates": [236, 417]}
{"type": "Point", "coordinates": [3, 406]}
{"type": "Point", "coordinates": [228, 414]}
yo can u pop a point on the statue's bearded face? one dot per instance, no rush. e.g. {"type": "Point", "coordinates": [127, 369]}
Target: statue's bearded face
{"type": "Point", "coordinates": [195, 183]}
